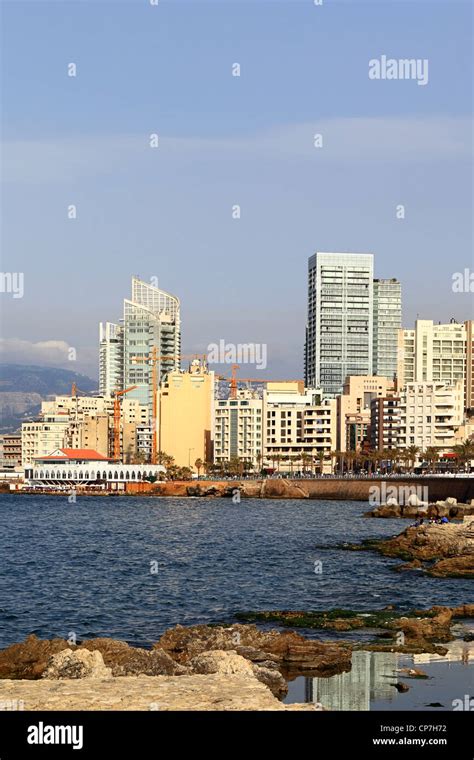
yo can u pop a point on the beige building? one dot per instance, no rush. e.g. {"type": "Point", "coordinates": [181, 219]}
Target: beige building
{"type": "Point", "coordinates": [84, 422]}
{"type": "Point", "coordinates": [299, 425]}
{"type": "Point", "coordinates": [430, 413]}
{"type": "Point", "coordinates": [186, 415]}
{"type": "Point", "coordinates": [40, 437]}
{"type": "Point", "coordinates": [441, 353]}
{"type": "Point", "coordinates": [353, 408]}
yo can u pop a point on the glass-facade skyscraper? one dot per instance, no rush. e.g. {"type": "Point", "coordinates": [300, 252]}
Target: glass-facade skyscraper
{"type": "Point", "coordinates": [151, 320]}
{"type": "Point", "coordinates": [339, 332]}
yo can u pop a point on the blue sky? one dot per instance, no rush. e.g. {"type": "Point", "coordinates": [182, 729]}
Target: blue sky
{"type": "Point", "coordinates": [227, 140]}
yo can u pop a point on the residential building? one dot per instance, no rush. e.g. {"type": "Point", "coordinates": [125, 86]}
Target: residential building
{"type": "Point", "coordinates": [441, 353]}
{"type": "Point", "coordinates": [186, 415]}
{"type": "Point", "coordinates": [430, 413]}
{"type": "Point", "coordinates": [40, 437]}
{"type": "Point", "coordinates": [110, 358]}
{"type": "Point", "coordinates": [151, 322]}
{"type": "Point", "coordinates": [238, 429]}
{"type": "Point", "coordinates": [387, 323]}
{"type": "Point", "coordinates": [299, 425]}
{"type": "Point", "coordinates": [353, 408]}
{"type": "Point", "coordinates": [339, 332]}
{"type": "Point", "coordinates": [384, 422]}
{"type": "Point", "coordinates": [10, 450]}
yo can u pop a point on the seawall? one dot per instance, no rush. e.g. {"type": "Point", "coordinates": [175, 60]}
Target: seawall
{"type": "Point", "coordinates": [438, 488]}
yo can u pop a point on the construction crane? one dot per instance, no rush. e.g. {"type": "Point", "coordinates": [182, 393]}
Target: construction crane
{"type": "Point", "coordinates": [154, 359]}
{"type": "Point", "coordinates": [117, 395]}
{"type": "Point", "coordinates": [234, 380]}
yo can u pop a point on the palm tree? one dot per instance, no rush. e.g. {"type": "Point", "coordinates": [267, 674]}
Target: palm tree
{"type": "Point", "coordinates": [198, 465]}
{"type": "Point", "coordinates": [431, 455]}
{"type": "Point", "coordinates": [165, 459]}
{"type": "Point", "coordinates": [464, 452]}
{"type": "Point", "coordinates": [306, 460]}
{"type": "Point", "coordinates": [413, 452]}
{"type": "Point", "coordinates": [321, 456]}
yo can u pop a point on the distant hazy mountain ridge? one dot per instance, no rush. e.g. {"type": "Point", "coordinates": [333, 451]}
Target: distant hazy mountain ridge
{"type": "Point", "coordinates": [23, 387]}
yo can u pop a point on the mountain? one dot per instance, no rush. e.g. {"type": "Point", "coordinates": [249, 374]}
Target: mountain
{"type": "Point", "coordinates": [23, 387]}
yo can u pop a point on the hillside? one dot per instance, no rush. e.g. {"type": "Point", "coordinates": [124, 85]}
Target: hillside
{"type": "Point", "coordinates": [23, 387]}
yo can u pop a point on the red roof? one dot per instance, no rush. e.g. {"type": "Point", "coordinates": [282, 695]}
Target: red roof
{"type": "Point", "coordinates": [89, 454]}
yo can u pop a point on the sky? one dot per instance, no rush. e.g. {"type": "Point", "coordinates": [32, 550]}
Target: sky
{"type": "Point", "coordinates": [225, 140]}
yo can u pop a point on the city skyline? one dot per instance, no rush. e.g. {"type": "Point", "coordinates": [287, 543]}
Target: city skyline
{"type": "Point", "coordinates": [227, 140]}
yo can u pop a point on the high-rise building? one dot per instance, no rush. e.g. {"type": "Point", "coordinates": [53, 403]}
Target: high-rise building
{"type": "Point", "coordinates": [151, 320]}
{"type": "Point", "coordinates": [387, 322]}
{"type": "Point", "coordinates": [440, 353]}
{"type": "Point", "coordinates": [339, 332]}
{"type": "Point", "coordinates": [186, 415]}
{"type": "Point", "coordinates": [110, 358]}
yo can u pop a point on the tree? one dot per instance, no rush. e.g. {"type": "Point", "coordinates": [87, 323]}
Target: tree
{"type": "Point", "coordinates": [165, 459]}
{"type": "Point", "coordinates": [464, 453]}
{"type": "Point", "coordinates": [413, 452]}
{"type": "Point", "coordinates": [199, 465]}
{"type": "Point", "coordinates": [306, 460]}
{"type": "Point", "coordinates": [321, 456]}
{"type": "Point", "coordinates": [432, 456]}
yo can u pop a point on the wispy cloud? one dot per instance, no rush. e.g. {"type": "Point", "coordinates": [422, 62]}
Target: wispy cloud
{"type": "Point", "coordinates": [344, 140]}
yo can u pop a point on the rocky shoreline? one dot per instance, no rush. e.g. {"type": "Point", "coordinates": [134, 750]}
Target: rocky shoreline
{"type": "Point", "coordinates": [210, 667]}
{"type": "Point", "coordinates": [439, 550]}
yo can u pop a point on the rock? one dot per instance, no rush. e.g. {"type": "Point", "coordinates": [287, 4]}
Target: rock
{"type": "Point", "coordinates": [153, 693]}
{"type": "Point", "coordinates": [454, 567]}
{"type": "Point", "coordinates": [401, 687]}
{"type": "Point", "coordinates": [215, 661]}
{"type": "Point", "coordinates": [290, 650]}
{"type": "Point", "coordinates": [450, 501]}
{"type": "Point", "coordinates": [414, 501]}
{"type": "Point", "coordinates": [230, 663]}
{"type": "Point", "coordinates": [30, 658]}
{"type": "Point", "coordinates": [418, 631]}
{"type": "Point", "coordinates": [128, 661]}
{"type": "Point", "coordinates": [392, 502]}
{"type": "Point", "coordinates": [76, 664]}
{"type": "Point", "coordinates": [413, 673]}
{"type": "Point", "coordinates": [451, 546]}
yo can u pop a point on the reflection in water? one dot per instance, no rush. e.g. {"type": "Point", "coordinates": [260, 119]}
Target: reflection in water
{"type": "Point", "coordinates": [370, 678]}
{"type": "Point", "coordinates": [370, 684]}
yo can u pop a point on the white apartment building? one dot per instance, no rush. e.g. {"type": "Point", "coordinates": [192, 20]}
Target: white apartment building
{"type": "Point", "coordinates": [238, 429]}
{"type": "Point", "coordinates": [339, 332]}
{"type": "Point", "coordinates": [41, 437]}
{"type": "Point", "coordinates": [110, 358]}
{"type": "Point", "coordinates": [430, 413]}
{"type": "Point", "coordinates": [299, 425]}
{"type": "Point", "coordinates": [436, 352]}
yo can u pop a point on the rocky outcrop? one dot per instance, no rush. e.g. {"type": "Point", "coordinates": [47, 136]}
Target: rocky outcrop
{"type": "Point", "coordinates": [289, 650]}
{"type": "Point", "coordinates": [77, 664]}
{"type": "Point", "coordinates": [30, 658]}
{"type": "Point", "coordinates": [231, 663]}
{"type": "Point", "coordinates": [125, 660]}
{"type": "Point", "coordinates": [448, 508]}
{"type": "Point", "coordinates": [450, 548]}
{"type": "Point", "coordinates": [242, 691]}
